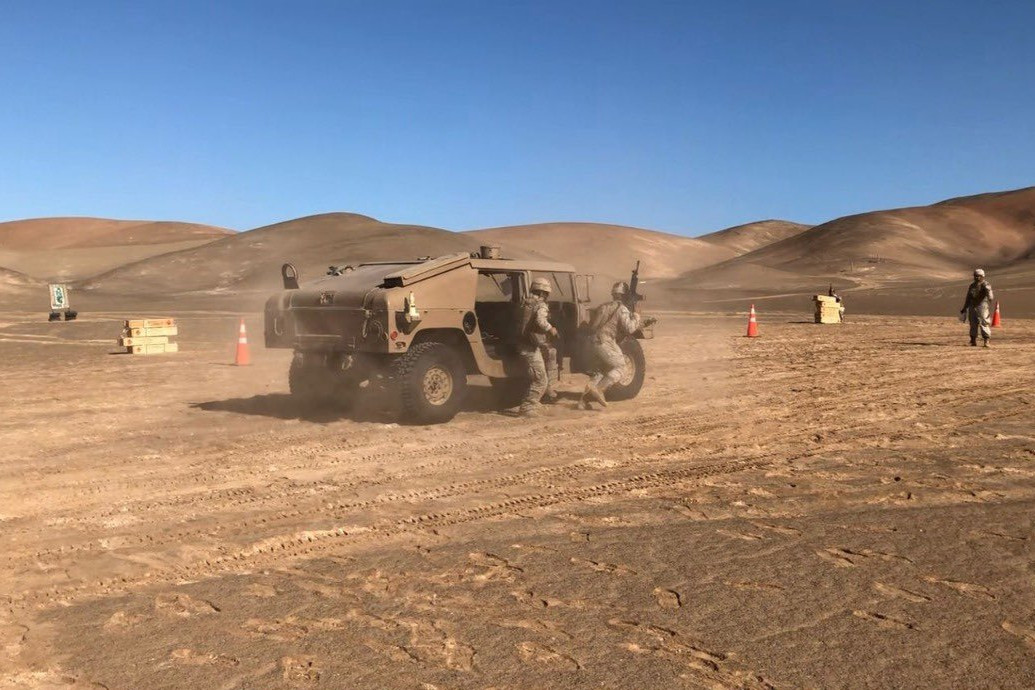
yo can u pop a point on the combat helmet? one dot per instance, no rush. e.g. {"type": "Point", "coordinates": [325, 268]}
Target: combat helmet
{"type": "Point", "coordinates": [540, 285]}
{"type": "Point", "coordinates": [619, 288]}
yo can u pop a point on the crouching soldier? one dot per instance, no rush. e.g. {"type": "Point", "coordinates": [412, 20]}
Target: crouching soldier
{"type": "Point", "coordinates": [534, 329]}
{"type": "Point", "coordinates": [610, 324]}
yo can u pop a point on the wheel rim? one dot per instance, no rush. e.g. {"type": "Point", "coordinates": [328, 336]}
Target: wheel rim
{"type": "Point", "coordinates": [437, 386]}
{"type": "Point", "coordinates": [630, 372]}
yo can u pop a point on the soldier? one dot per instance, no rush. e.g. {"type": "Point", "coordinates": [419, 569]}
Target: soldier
{"type": "Point", "coordinates": [610, 323]}
{"type": "Point", "coordinates": [534, 329]}
{"type": "Point", "coordinates": [976, 307]}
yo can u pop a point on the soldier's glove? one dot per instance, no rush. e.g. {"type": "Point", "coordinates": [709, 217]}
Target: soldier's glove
{"type": "Point", "coordinates": [963, 310]}
{"type": "Point", "coordinates": [650, 321]}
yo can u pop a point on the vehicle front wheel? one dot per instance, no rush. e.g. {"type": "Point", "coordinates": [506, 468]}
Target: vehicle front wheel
{"type": "Point", "coordinates": [431, 381]}
{"type": "Point", "coordinates": [635, 370]}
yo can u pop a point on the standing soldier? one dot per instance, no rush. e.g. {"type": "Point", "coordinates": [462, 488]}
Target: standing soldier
{"type": "Point", "coordinates": [534, 328]}
{"type": "Point", "coordinates": [976, 307]}
{"type": "Point", "coordinates": [610, 324]}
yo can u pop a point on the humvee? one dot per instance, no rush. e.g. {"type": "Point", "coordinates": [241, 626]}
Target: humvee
{"type": "Point", "coordinates": [419, 328]}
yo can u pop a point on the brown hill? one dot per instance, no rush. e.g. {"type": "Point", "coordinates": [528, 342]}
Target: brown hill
{"type": "Point", "coordinates": [751, 236]}
{"type": "Point", "coordinates": [17, 290]}
{"type": "Point", "coordinates": [10, 278]}
{"type": "Point", "coordinates": [925, 242]}
{"type": "Point", "coordinates": [608, 250]}
{"type": "Point", "coordinates": [251, 261]}
{"type": "Point", "coordinates": [63, 233]}
{"type": "Point", "coordinates": [75, 248]}
{"type": "Point", "coordinates": [927, 249]}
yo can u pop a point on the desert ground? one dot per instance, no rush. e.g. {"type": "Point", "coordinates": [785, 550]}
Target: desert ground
{"type": "Point", "coordinates": [821, 507]}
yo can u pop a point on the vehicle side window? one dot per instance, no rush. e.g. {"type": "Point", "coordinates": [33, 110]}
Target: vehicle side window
{"type": "Point", "coordinates": [495, 287]}
{"type": "Point", "coordinates": [561, 284]}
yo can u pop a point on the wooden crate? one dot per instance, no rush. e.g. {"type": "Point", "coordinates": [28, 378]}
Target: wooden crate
{"type": "Point", "coordinates": [150, 323]}
{"type": "Point", "coordinates": [828, 309]}
{"type": "Point", "coordinates": [155, 349]}
{"type": "Point", "coordinates": [130, 342]}
{"type": "Point", "coordinates": [149, 336]}
{"type": "Point", "coordinates": [147, 332]}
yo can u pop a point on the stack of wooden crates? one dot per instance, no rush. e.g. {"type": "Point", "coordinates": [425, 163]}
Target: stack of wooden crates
{"type": "Point", "coordinates": [828, 309]}
{"type": "Point", "coordinates": [148, 336]}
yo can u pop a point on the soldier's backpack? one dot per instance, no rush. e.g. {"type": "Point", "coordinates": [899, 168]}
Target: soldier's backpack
{"type": "Point", "coordinates": [602, 315]}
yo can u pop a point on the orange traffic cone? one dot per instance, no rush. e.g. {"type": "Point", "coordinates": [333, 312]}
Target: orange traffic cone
{"type": "Point", "coordinates": [997, 321]}
{"type": "Point", "coordinates": [243, 357]}
{"type": "Point", "coordinates": [752, 324]}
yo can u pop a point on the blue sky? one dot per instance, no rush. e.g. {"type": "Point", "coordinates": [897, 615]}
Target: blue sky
{"type": "Point", "coordinates": [679, 116]}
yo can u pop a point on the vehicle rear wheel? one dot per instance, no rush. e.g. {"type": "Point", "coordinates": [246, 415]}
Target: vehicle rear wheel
{"type": "Point", "coordinates": [315, 383]}
{"type": "Point", "coordinates": [431, 381]}
{"type": "Point", "coordinates": [635, 370]}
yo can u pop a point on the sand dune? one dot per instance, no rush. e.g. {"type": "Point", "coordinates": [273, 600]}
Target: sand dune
{"type": "Point", "coordinates": [609, 250]}
{"type": "Point", "coordinates": [63, 233]}
{"type": "Point", "coordinates": [931, 242]}
{"type": "Point", "coordinates": [910, 260]}
{"type": "Point", "coordinates": [252, 260]}
{"type": "Point", "coordinates": [751, 236]}
{"type": "Point", "coordinates": [67, 249]}
{"type": "Point", "coordinates": [9, 278]}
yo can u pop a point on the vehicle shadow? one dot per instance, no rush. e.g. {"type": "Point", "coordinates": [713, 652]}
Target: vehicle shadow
{"type": "Point", "coordinates": [367, 407]}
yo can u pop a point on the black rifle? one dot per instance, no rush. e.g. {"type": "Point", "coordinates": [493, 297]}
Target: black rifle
{"type": "Point", "coordinates": [633, 297]}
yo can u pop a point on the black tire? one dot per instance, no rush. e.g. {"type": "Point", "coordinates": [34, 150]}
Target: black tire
{"type": "Point", "coordinates": [318, 385]}
{"type": "Point", "coordinates": [509, 391]}
{"type": "Point", "coordinates": [630, 387]}
{"type": "Point", "coordinates": [431, 381]}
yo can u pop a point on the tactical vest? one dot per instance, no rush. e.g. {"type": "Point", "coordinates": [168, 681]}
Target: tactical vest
{"type": "Point", "coordinates": [603, 315]}
{"type": "Point", "coordinates": [528, 336]}
{"type": "Point", "coordinates": [977, 294]}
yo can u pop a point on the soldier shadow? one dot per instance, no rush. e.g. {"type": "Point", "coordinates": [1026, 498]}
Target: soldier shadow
{"type": "Point", "coordinates": [367, 407]}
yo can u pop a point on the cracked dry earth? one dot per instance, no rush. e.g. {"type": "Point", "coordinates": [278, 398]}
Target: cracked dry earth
{"type": "Point", "coordinates": [821, 507]}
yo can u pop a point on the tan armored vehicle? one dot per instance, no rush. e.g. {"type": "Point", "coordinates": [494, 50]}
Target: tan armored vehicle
{"type": "Point", "coordinates": [420, 328]}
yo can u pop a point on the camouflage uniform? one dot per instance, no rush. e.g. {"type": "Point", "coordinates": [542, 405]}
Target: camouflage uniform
{"type": "Point", "coordinates": [549, 352]}
{"type": "Point", "coordinates": [978, 307]}
{"type": "Point", "coordinates": [611, 324]}
{"type": "Point", "coordinates": [535, 325]}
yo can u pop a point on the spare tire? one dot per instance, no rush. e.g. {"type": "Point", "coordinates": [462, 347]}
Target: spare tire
{"type": "Point", "coordinates": [635, 370]}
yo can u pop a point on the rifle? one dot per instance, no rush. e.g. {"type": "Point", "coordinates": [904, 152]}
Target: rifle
{"type": "Point", "coordinates": [632, 297]}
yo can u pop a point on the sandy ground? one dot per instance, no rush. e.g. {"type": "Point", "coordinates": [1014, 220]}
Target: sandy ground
{"type": "Point", "coordinates": [839, 506]}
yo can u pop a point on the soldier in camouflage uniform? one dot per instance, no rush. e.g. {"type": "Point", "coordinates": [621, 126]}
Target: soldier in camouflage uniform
{"type": "Point", "coordinates": [534, 330]}
{"type": "Point", "coordinates": [977, 307]}
{"type": "Point", "coordinates": [610, 324]}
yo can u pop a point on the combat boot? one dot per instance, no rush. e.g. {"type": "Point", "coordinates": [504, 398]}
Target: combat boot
{"type": "Point", "coordinates": [986, 342]}
{"type": "Point", "coordinates": [550, 397]}
{"type": "Point", "coordinates": [529, 412]}
{"type": "Point", "coordinates": [594, 393]}
{"type": "Point", "coordinates": [973, 342]}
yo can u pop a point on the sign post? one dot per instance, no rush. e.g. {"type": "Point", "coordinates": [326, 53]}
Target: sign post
{"type": "Point", "coordinates": [59, 302]}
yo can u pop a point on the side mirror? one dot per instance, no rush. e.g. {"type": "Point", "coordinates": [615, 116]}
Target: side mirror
{"type": "Point", "coordinates": [290, 277]}
{"type": "Point", "coordinates": [582, 283]}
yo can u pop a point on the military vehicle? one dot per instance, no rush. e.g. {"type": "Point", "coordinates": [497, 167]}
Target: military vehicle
{"type": "Point", "coordinates": [419, 328]}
